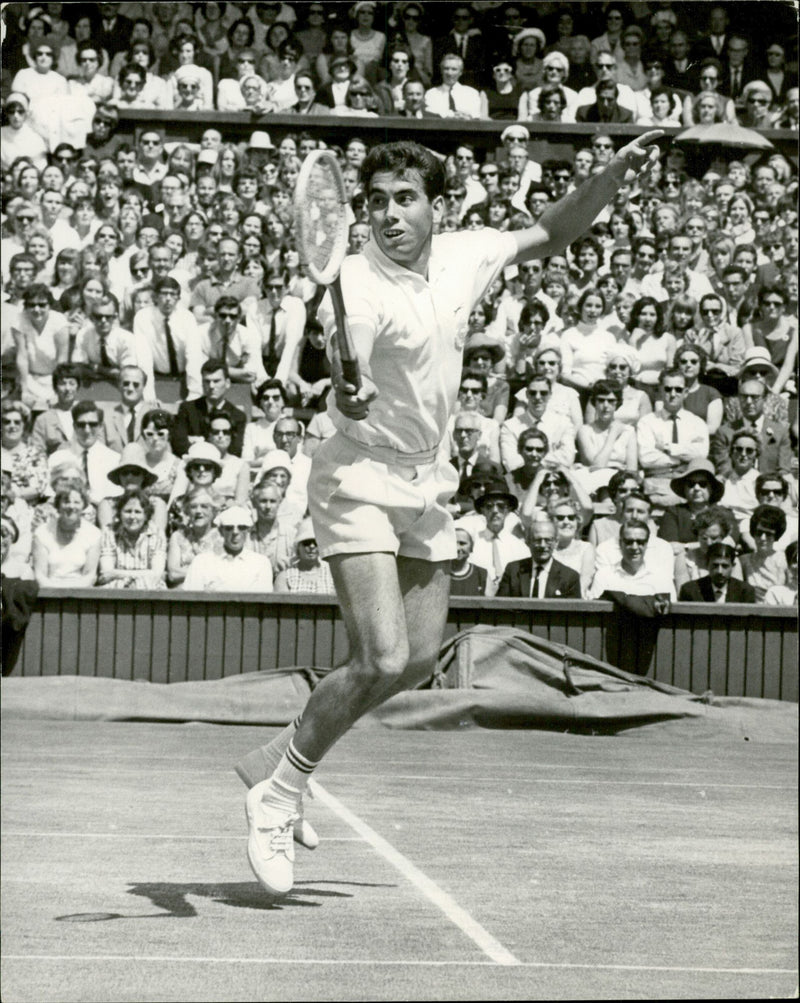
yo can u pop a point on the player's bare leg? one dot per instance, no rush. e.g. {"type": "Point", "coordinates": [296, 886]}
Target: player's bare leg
{"type": "Point", "coordinates": [394, 611]}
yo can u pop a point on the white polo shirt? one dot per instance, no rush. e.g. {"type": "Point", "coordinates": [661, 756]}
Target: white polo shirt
{"type": "Point", "coordinates": [412, 331]}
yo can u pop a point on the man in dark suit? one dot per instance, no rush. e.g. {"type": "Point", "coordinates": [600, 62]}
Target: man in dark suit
{"type": "Point", "coordinates": [718, 586]}
{"type": "Point", "coordinates": [466, 41]}
{"type": "Point", "coordinates": [191, 421]}
{"type": "Point", "coordinates": [775, 452]}
{"type": "Point", "coordinates": [116, 30]}
{"type": "Point", "coordinates": [123, 421]}
{"type": "Point", "coordinates": [740, 69]}
{"type": "Point", "coordinates": [540, 577]}
{"type": "Point", "coordinates": [414, 98]}
{"type": "Point", "coordinates": [713, 43]}
{"type": "Point", "coordinates": [606, 108]}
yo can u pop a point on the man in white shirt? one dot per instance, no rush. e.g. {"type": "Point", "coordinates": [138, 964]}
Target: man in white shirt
{"type": "Point", "coordinates": [452, 99]}
{"type": "Point", "coordinates": [606, 68]}
{"type": "Point", "coordinates": [630, 574]}
{"type": "Point", "coordinates": [226, 338]}
{"type": "Point", "coordinates": [236, 569]}
{"type": "Point", "coordinates": [276, 324]}
{"type": "Point", "coordinates": [150, 166]}
{"type": "Point", "coordinates": [500, 541]}
{"type": "Point", "coordinates": [658, 554]}
{"type": "Point", "coordinates": [61, 233]}
{"type": "Point", "coordinates": [669, 437]}
{"type": "Point", "coordinates": [103, 345]}
{"type": "Point", "coordinates": [96, 459]}
{"type": "Point", "coordinates": [163, 332]}
{"type": "Point", "coordinates": [680, 251]}
{"type": "Point", "coordinates": [558, 429]}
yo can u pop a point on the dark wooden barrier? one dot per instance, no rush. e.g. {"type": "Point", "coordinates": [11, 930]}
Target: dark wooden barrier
{"type": "Point", "coordinates": [176, 637]}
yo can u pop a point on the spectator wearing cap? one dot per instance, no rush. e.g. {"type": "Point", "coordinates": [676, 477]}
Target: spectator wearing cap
{"type": "Point", "coordinates": [235, 569]}
{"type": "Point", "coordinates": [497, 535]}
{"type": "Point", "coordinates": [191, 421]}
{"type": "Point", "coordinates": [700, 489]}
{"type": "Point", "coordinates": [466, 578]}
{"type": "Point", "coordinates": [17, 138]}
{"type": "Point", "coordinates": [162, 333]}
{"type": "Point", "coordinates": [719, 585]}
{"type": "Point", "coordinates": [451, 98]}
{"type": "Point", "coordinates": [308, 573]}
{"type": "Point", "coordinates": [41, 82]}
{"type": "Point", "coordinates": [540, 576]}
{"type": "Point", "coordinates": [758, 365]}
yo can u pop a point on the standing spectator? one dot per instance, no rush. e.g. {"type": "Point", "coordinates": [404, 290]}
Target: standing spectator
{"type": "Point", "coordinates": [719, 585]}
{"type": "Point", "coordinates": [235, 569]}
{"type": "Point", "coordinates": [66, 551]}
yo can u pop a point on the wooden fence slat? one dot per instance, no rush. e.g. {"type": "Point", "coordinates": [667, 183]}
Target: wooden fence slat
{"type": "Point", "coordinates": [159, 642]}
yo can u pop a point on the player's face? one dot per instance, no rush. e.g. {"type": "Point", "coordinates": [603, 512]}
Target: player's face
{"type": "Point", "coordinates": [402, 217]}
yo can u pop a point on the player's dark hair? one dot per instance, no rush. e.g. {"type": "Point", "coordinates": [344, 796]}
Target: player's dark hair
{"type": "Point", "coordinates": [396, 158]}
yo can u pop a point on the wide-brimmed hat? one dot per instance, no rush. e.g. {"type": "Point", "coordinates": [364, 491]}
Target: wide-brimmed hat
{"type": "Point", "coordinates": [520, 37]}
{"type": "Point", "coordinates": [757, 356]}
{"type": "Point", "coordinates": [203, 452]}
{"type": "Point", "coordinates": [342, 60]}
{"type": "Point", "coordinates": [699, 466]}
{"type": "Point", "coordinates": [234, 515]}
{"type": "Point", "coordinates": [274, 459]}
{"type": "Point", "coordinates": [260, 140]}
{"type": "Point", "coordinates": [132, 460]}
{"type": "Point", "coordinates": [483, 341]}
{"type": "Point", "coordinates": [497, 490]}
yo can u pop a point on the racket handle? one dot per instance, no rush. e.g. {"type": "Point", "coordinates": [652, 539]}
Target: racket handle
{"type": "Point", "coordinates": [350, 368]}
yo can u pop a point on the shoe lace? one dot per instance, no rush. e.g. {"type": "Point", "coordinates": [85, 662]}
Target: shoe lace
{"type": "Point", "coordinates": [282, 836]}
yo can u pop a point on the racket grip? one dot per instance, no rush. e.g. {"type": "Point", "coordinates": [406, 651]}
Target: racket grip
{"type": "Point", "coordinates": [352, 372]}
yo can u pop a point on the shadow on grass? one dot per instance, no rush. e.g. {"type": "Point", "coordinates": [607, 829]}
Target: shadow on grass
{"type": "Point", "coordinates": [173, 899]}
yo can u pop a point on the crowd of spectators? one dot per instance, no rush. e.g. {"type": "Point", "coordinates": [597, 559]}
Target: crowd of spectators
{"type": "Point", "coordinates": [626, 423]}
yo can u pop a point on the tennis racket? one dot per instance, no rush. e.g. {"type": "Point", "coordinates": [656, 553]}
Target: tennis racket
{"type": "Point", "coordinates": [320, 215]}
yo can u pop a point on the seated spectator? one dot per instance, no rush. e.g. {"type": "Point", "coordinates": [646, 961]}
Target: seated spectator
{"type": "Point", "coordinates": [19, 511]}
{"type": "Point", "coordinates": [532, 446]}
{"type": "Point", "coordinates": [785, 594]}
{"type": "Point", "coordinates": [773, 331]}
{"type": "Point", "coordinates": [496, 532]}
{"type": "Point", "coordinates": [587, 346]}
{"type": "Point", "coordinates": [452, 99]}
{"type": "Point", "coordinates": [132, 474]}
{"type": "Point", "coordinates": [789, 116]}
{"type": "Point", "coordinates": [41, 339]}
{"type": "Point", "coordinates": [605, 444]}
{"type": "Point", "coordinates": [467, 451]}
{"type": "Point", "coordinates": [713, 525]}
{"type": "Point", "coordinates": [766, 566]}
{"type": "Point", "coordinates": [95, 458]}
{"type": "Point", "coordinates": [559, 430]}
{"type": "Point", "coordinates": [501, 101]}
{"type": "Point", "coordinates": [164, 331]}
{"type": "Point", "coordinates": [701, 399]}
{"type": "Point", "coordinates": [191, 421]}
{"type": "Point", "coordinates": [466, 578]}
{"type": "Point", "coordinates": [772, 489]}
{"type": "Point", "coordinates": [202, 467]}
{"type": "Point", "coordinates": [526, 347]}
{"type": "Point", "coordinates": [17, 138]}
{"type": "Point", "coordinates": [276, 323]}
{"type": "Point", "coordinates": [271, 535]}
{"type": "Point", "coordinates": [757, 97]}
{"type": "Point", "coordinates": [234, 569]}
{"type": "Point", "coordinates": [224, 336]}
{"type": "Point", "coordinates": [258, 433]}
{"type": "Point", "coordinates": [571, 550]}
{"type": "Point", "coordinates": [669, 438]}
{"type": "Point", "coordinates": [775, 454]}
{"type": "Point", "coordinates": [708, 105]}
{"type": "Point", "coordinates": [309, 378]}
{"type": "Point", "coordinates": [133, 550]}
{"type": "Point", "coordinates": [308, 573]}
{"type": "Point", "coordinates": [654, 345]}
{"type": "Point", "coordinates": [622, 366]}
{"type": "Point", "coordinates": [605, 527]}
{"type": "Point", "coordinates": [740, 483]}
{"type": "Point", "coordinates": [25, 461]}
{"type": "Point", "coordinates": [551, 484]}
{"type": "Point", "coordinates": [540, 576]}
{"type": "Point", "coordinates": [197, 535]}
{"type": "Point", "coordinates": [123, 421]}
{"type": "Point", "coordinates": [700, 489]}
{"type": "Point", "coordinates": [234, 481]}
{"type": "Point", "coordinates": [555, 70]}
{"type": "Point", "coordinates": [481, 355]}
{"type": "Point", "coordinates": [52, 429]}
{"type": "Point", "coordinates": [606, 107]}
{"type": "Point", "coordinates": [189, 76]}
{"type": "Point", "coordinates": [158, 456]}
{"type": "Point", "coordinates": [719, 585]}
{"type": "Point", "coordinates": [67, 474]}
{"type": "Point", "coordinates": [631, 575]}
{"type": "Point", "coordinates": [66, 550]}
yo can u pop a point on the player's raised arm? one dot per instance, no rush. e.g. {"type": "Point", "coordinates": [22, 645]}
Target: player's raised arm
{"type": "Point", "coordinates": [572, 215]}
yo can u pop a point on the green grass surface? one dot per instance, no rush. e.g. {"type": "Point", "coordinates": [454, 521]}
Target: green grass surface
{"type": "Point", "coordinates": [636, 867]}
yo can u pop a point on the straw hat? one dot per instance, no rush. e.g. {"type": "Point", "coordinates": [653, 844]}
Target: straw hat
{"type": "Point", "coordinates": [203, 452]}
{"type": "Point", "coordinates": [132, 460]}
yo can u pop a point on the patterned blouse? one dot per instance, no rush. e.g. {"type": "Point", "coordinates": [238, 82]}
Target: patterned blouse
{"type": "Point", "coordinates": [317, 580]}
{"type": "Point", "coordinates": [139, 557]}
{"type": "Point", "coordinates": [28, 468]}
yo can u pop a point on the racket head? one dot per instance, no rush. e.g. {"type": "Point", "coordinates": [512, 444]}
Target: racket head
{"type": "Point", "coordinates": [320, 215]}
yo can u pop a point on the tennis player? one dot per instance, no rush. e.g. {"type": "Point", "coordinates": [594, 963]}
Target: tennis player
{"type": "Point", "coordinates": [379, 488]}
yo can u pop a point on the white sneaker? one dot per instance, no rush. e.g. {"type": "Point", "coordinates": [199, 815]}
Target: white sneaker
{"type": "Point", "coordinates": [304, 832]}
{"type": "Point", "coordinates": [270, 843]}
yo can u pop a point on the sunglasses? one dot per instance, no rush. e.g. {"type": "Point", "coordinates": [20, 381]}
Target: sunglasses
{"type": "Point", "coordinates": [744, 450]}
{"type": "Point", "coordinates": [227, 315]}
{"type": "Point", "coordinates": [199, 465]}
{"type": "Point", "coordinates": [87, 424]}
{"type": "Point", "coordinates": [238, 529]}
{"type": "Point", "coordinates": [537, 394]}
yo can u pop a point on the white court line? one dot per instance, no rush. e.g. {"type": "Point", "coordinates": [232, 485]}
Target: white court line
{"type": "Point", "coordinates": [152, 835]}
{"type": "Point", "coordinates": [452, 910]}
{"type": "Point", "coordinates": [626, 782]}
{"type": "Point", "coordinates": [410, 963]}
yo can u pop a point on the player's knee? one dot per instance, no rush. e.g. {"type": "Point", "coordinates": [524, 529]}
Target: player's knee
{"type": "Point", "coordinates": [384, 664]}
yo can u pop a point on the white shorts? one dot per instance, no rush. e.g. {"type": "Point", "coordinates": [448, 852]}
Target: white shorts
{"type": "Point", "coordinates": [359, 504]}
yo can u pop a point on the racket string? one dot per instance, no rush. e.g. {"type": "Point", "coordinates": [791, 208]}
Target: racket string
{"type": "Point", "coordinates": [321, 217]}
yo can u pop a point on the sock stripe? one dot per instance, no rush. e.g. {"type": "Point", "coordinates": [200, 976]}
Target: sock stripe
{"type": "Point", "coordinates": [298, 761]}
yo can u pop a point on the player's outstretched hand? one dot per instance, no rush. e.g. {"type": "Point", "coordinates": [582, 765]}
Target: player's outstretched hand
{"type": "Point", "coordinates": [638, 157]}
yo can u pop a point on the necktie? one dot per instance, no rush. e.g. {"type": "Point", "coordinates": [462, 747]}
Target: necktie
{"type": "Point", "coordinates": [271, 357]}
{"type": "Point", "coordinates": [85, 459]}
{"type": "Point", "coordinates": [171, 351]}
{"type": "Point", "coordinates": [451, 101]}
{"type": "Point", "coordinates": [132, 426]}
{"type": "Point", "coordinates": [737, 73]}
{"type": "Point", "coordinates": [104, 357]}
{"type": "Point", "coordinates": [537, 570]}
{"type": "Point", "coordinates": [497, 560]}
{"type": "Point", "coordinates": [674, 428]}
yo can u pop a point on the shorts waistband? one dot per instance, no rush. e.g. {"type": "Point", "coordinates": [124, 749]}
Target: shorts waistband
{"type": "Point", "coordinates": [386, 454]}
